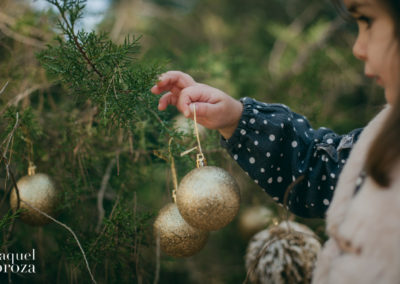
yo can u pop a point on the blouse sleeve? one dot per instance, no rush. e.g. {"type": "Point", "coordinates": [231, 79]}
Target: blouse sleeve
{"type": "Point", "coordinates": [276, 146]}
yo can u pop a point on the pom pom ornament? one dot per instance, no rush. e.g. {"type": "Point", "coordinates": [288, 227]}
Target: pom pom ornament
{"type": "Point", "coordinates": [176, 237]}
{"type": "Point", "coordinates": [282, 254]}
{"type": "Point", "coordinates": [208, 197]}
{"type": "Point", "coordinates": [38, 191]}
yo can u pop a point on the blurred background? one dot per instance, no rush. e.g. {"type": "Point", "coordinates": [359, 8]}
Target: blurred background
{"type": "Point", "coordinates": [292, 52]}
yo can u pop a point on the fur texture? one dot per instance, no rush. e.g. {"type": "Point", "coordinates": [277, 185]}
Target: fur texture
{"type": "Point", "coordinates": [364, 230]}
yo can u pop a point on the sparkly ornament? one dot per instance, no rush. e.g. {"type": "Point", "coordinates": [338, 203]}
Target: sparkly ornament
{"type": "Point", "coordinates": [37, 190]}
{"type": "Point", "coordinates": [208, 198]}
{"type": "Point", "coordinates": [177, 238]}
{"type": "Point", "coordinates": [253, 220]}
{"type": "Point", "coordinates": [282, 254]}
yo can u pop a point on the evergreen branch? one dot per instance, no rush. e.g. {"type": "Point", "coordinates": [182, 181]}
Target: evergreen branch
{"type": "Point", "coordinates": [70, 31]}
{"type": "Point", "coordinates": [110, 217]}
{"type": "Point", "coordinates": [122, 94]}
{"type": "Point", "coordinates": [85, 56]}
{"type": "Point", "coordinates": [9, 138]}
{"type": "Point", "coordinates": [7, 219]}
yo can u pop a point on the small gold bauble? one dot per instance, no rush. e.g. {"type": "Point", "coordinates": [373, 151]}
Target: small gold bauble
{"type": "Point", "coordinates": [208, 198]}
{"type": "Point", "coordinates": [253, 220]}
{"type": "Point", "coordinates": [177, 237]}
{"type": "Point", "coordinates": [39, 191]}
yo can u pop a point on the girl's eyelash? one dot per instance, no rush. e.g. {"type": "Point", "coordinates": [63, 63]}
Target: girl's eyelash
{"type": "Point", "coordinates": [364, 19]}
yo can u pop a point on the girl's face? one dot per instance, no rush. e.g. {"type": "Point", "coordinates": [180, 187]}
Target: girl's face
{"type": "Point", "coordinates": [376, 44]}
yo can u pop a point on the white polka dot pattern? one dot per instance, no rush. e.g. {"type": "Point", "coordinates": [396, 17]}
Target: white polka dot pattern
{"type": "Point", "coordinates": [276, 146]}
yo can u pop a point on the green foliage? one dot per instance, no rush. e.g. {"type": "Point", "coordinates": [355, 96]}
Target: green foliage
{"type": "Point", "coordinates": [6, 220]}
{"type": "Point", "coordinates": [93, 67]}
{"type": "Point", "coordinates": [28, 126]}
{"type": "Point", "coordinates": [93, 128]}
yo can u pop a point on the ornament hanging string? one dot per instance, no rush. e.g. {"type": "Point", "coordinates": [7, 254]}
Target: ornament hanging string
{"type": "Point", "coordinates": [7, 141]}
{"type": "Point", "coordinates": [31, 169]}
{"type": "Point", "coordinates": [200, 159]}
{"type": "Point", "coordinates": [196, 129]}
{"type": "Point", "coordinates": [173, 170]}
{"type": "Point", "coordinates": [286, 218]}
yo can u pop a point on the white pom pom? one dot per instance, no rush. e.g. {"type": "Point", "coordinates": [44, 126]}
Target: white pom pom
{"type": "Point", "coordinates": [282, 254]}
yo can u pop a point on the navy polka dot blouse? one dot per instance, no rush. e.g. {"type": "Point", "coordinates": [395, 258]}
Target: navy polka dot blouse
{"type": "Point", "coordinates": [276, 146]}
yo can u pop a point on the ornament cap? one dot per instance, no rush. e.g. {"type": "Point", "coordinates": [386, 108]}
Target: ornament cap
{"type": "Point", "coordinates": [31, 169]}
{"type": "Point", "coordinates": [201, 161]}
{"type": "Point", "coordinates": [174, 195]}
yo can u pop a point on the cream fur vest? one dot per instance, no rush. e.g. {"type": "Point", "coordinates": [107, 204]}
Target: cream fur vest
{"type": "Point", "coordinates": [364, 230]}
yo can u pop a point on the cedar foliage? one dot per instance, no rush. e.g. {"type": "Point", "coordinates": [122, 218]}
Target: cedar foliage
{"type": "Point", "coordinates": [92, 125]}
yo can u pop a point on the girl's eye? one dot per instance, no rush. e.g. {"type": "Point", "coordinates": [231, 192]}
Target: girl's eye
{"type": "Point", "coordinates": [366, 20]}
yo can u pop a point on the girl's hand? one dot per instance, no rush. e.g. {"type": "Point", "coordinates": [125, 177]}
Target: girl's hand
{"type": "Point", "coordinates": [214, 108]}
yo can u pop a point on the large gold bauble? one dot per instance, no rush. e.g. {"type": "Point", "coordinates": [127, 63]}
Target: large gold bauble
{"type": "Point", "coordinates": [254, 219]}
{"type": "Point", "coordinates": [208, 198]}
{"type": "Point", "coordinates": [177, 237]}
{"type": "Point", "coordinates": [39, 191]}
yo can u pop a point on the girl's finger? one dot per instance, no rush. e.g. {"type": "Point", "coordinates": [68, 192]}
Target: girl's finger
{"type": "Point", "coordinates": [201, 109]}
{"type": "Point", "coordinates": [190, 95]}
{"type": "Point", "coordinates": [174, 78]}
{"type": "Point", "coordinates": [155, 90]}
{"type": "Point", "coordinates": [186, 97]}
{"type": "Point", "coordinates": [167, 99]}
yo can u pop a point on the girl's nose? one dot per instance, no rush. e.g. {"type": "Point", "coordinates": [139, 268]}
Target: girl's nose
{"type": "Point", "coordinates": [359, 48]}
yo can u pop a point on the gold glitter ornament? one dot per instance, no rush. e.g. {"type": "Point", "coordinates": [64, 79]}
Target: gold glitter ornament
{"type": "Point", "coordinates": [38, 190]}
{"type": "Point", "coordinates": [208, 198]}
{"type": "Point", "coordinates": [177, 237]}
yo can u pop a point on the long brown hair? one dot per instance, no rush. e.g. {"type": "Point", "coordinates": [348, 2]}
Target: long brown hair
{"type": "Point", "coordinates": [384, 152]}
{"type": "Point", "coordinates": [385, 149]}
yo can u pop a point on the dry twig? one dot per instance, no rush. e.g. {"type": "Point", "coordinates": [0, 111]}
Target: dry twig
{"type": "Point", "coordinates": [4, 87]}
{"type": "Point", "coordinates": [23, 95]}
{"type": "Point", "coordinates": [100, 194]}
{"type": "Point", "coordinates": [21, 38]}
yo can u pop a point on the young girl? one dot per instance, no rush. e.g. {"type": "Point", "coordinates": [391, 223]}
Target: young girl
{"type": "Point", "coordinates": [276, 146]}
